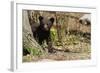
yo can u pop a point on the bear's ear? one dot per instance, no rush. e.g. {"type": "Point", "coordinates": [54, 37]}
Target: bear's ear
{"type": "Point", "coordinates": [52, 20]}
{"type": "Point", "coordinates": [40, 18]}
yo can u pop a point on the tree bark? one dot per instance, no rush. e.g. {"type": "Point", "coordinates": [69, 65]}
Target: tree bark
{"type": "Point", "coordinates": [28, 40]}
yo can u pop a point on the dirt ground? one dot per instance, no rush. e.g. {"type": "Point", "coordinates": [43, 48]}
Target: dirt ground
{"type": "Point", "coordinates": [58, 56]}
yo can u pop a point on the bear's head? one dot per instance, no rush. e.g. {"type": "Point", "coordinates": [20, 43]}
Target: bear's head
{"type": "Point", "coordinates": [46, 23]}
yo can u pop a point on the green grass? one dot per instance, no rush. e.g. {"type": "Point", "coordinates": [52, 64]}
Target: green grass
{"type": "Point", "coordinates": [36, 52]}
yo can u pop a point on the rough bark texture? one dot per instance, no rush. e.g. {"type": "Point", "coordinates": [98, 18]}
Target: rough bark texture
{"type": "Point", "coordinates": [28, 40]}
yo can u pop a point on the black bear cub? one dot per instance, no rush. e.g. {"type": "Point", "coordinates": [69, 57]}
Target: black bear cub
{"type": "Point", "coordinates": [42, 32]}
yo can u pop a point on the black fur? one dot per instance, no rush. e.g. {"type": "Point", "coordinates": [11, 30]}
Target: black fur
{"type": "Point", "coordinates": [42, 33]}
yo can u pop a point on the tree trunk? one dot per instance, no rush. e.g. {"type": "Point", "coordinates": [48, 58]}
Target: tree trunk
{"type": "Point", "coordinates": [29, 42]}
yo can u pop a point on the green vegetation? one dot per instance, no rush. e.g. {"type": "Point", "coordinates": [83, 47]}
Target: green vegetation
{"type": "Point", "coordinates": [34, 51]}
{"type": "Point", "coordinates": [53, 34]}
